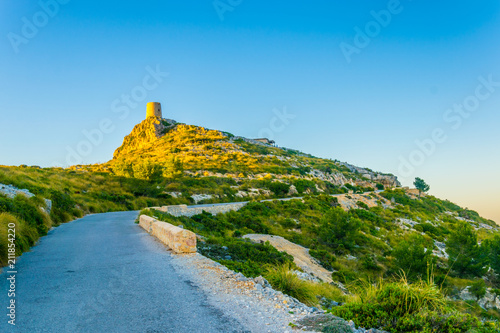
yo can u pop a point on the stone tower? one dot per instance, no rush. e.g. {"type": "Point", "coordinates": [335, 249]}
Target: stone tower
{"type": "Point", "coordinates": [153, 110]}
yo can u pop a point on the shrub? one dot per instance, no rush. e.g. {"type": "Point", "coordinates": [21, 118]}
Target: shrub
{"type": "Point", "coordinates": [362, 205]}
{"type": "Point", "coordinates": [465, 256]}
{"type": "Point", "coordinates": [403, 307]}
{"type": "Point", "coordinates": [326, 259]}
{"type": "Point", "coordinates": [243, 255]}
{"type": "Point", "coordinates": [285, 280]}
{"type": "Point", "coordinates": [411, 257]}
{"type": "Point", "coordinates": [279, 188]}
{"type": "Point", "coordinates": [25, 236]}
{"type": "Point", "coordinates": [338, 229]}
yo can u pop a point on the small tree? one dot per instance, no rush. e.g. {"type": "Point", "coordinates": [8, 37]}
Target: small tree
{"type": "Point", "coordinates": [421, 186]}
{"type": "Point", "coordinates": [147, 170]}
{"type": "Point", "coordinates": [124, 169]}
{"type": "Point", "coordinates": [492, 248]}
{"type": "Point", "coordinates": [174, 167]}
{"type": "Point", "coordinates": [413, 258]}
{"type": "Point", "coordinates": [338, 230]}
{"type": "Point", "coordinates": [466, 258]}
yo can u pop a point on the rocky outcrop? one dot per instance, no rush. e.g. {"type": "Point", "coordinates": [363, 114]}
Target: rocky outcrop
{"type": "Point", "coordinates": [335, 178]}
{"type": "Point", "coordinates": [11, 191]}
{"type": "Point", "coordinates": [143, 134]}
{"type": "Point", "coordinates": [489, 301]}
{"type": "Point", "coordinates": [385, 179]}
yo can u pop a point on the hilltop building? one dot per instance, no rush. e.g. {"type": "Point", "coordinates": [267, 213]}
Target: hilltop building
{"type": "Point", "coordinates": [153, 110]}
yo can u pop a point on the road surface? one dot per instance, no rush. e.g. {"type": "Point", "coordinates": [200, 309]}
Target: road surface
{"type": "Point", "coordinates": [103, 273]}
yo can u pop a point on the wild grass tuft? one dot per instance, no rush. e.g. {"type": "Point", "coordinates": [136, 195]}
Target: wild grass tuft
{"type": "Point", "coordinates": [285, 280]}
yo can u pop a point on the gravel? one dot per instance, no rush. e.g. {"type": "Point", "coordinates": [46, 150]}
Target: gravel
{"type": "Point", "coordinates": [251, 302]}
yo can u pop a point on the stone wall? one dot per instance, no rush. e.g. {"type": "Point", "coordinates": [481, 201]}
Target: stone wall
{"type": "Point", "coordinates": [177, 239]}
{"type": "Point", "coordinates": [153, 109]}
{"type": "Point", "coordinates": [184, 210]}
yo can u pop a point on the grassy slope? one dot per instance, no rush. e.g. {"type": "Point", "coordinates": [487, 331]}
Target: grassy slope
{"type": "Point", "coordinates": [372, 243]}
{"type": "Point", "coordinates": [193, 160]}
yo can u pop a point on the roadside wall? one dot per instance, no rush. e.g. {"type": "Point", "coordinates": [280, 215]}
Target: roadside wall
{"type": "Point", "coordinates": [177, 239]}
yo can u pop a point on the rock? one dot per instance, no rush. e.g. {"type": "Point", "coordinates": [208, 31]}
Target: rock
{"type": "Point", "coordinates": [307, 276]}
{"type": "Point", "coordinates": [490, 300]}
{"type": "Point", "coordinates": [11, 191]}
{"type": "Point", "coordinates": [262, 281]}
{"type": "Point", "coordinates": [200, 197]}
{"type": "Point", "coordinates": [466, 295]}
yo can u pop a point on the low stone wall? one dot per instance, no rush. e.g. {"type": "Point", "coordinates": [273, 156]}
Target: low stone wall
{"type": "Point", "coordinates": [184, 210]}
{"type": "Point", "coordinates": [177, 239]}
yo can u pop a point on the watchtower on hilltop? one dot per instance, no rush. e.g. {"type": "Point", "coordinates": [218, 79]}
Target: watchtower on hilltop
{"type": "Point", "coordinates": [153, 110]}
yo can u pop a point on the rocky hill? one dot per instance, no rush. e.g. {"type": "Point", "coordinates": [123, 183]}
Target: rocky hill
{"type": "Point", "coordinates": [198, 151]}
{"type": "Point", "coordinates": [355, 225]}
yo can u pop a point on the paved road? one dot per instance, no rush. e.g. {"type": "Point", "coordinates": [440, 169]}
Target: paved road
{"type": "Point", "coordinates": [103, 273]}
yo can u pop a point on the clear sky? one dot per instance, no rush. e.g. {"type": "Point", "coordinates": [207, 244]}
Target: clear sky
{"type": "Point", "coordinates": [357, 81]}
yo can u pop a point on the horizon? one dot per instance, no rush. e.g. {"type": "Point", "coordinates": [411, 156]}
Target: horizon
{"type": "Point", "coordinates": [395, 86]}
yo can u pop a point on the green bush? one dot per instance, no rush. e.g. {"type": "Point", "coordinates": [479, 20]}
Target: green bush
{"type": "Point", "coordinates": [326, 259]}
{"type": "Point", "coordinates": [465, 255]}
{"type": "Point", "coordinates": [283, 279]}
{"type": "Point", "coordinates": [243, 255]}
{"type": "Point", "coordinates": [26, 236]}
{"type": "Point", "coordinates": [362, 205]}
{"type": "Point", "coordinates": [279, 188]}
{"type": "Point", "coordinates": [403, 307]}
{"type": "Point", "coordinates": [413, 258]}
{"type": "Point", "coordinates": [338, 230]}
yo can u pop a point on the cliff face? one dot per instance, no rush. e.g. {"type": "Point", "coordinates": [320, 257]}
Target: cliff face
{"type": "Point", "coordinates": [143, 135]}
{"type": "Point", "coordinates": [197, 149]}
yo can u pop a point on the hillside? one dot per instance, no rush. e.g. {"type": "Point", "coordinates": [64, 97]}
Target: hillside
{"type": "Point", "coordinates": [160, 147]}
{"type": "Point", "coordinates": [358, 224]}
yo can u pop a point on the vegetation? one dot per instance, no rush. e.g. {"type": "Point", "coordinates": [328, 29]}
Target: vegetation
{"type": "Point", "coordinates": [466, 257]}
{"type": "Point", "coordinates": [400, 306]}
{"type": "Point", "coordinates": [162, 163]}
{"type": "Point", "coordinates": [421, 185]}
{"type": "Point", "coordinates": [73, 194]}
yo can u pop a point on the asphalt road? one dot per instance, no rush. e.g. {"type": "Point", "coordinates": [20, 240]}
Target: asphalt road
{"type": "Point", "coordinates": [103, 273]}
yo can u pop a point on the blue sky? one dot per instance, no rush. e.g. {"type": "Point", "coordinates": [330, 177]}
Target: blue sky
{"type": "Point", "coordinates": [69, 75]}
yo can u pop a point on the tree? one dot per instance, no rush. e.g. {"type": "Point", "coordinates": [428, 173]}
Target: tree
{"type": "Point", "coordinates": [174, 167]}
{"type": "Point", "coordinates": [466, 258]}
{"type": "Point", "coordinates": [147, 170]}
{"type": "Point", "coordinates": [421, 186]}
{"type": "Point", "coordinates": [412, 257]}
{"type": "Point", "coordinates": [338, 229]}
{"type": "Point", "coordinates": [124, 169]}
{"type": "Point", "coordinates": [279, 188]}
{"type": "Point", "coordinates": [492, 247]}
